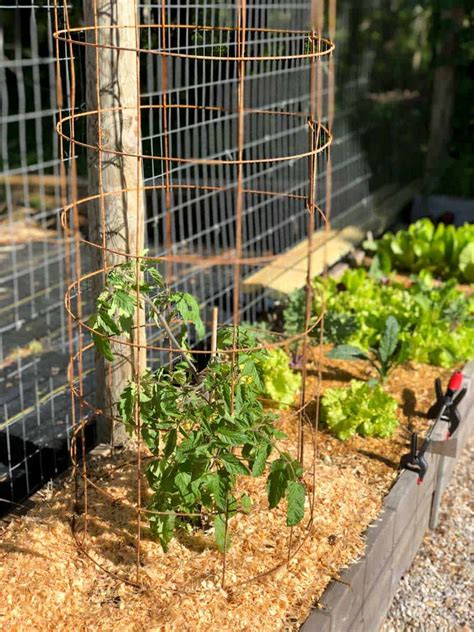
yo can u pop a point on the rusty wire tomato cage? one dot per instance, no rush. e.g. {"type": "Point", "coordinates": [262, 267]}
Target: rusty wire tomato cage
{"type": "Point", "coordinates": [313, 50]}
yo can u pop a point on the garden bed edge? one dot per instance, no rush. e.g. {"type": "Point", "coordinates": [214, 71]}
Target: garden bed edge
{"type": "Point", "coordinates": [360, 600]}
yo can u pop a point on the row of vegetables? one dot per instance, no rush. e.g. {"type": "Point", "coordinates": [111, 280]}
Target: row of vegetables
{"type": "Point", "coordinates": [384, 319]}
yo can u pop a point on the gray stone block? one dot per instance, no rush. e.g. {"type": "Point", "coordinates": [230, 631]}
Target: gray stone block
{"type": "Point", "coordinates": [318, 621]}
{"type": "Point", "coordinates": [403, 554]}
{"type": "Point", "coordinates": [423, 509]}
{"type": "Point", "coordinates": [380, 541]}
{"type": "Point", "coordinates": [356, 624]}
{"type": "Point", "coordinates": [403, 498]}
{"type": "Point", "coordinates": [376, 601]}
{"type": "Point", "coordinates": [337, 601]}
{"type": "Point", "coordinates": [354, 577]}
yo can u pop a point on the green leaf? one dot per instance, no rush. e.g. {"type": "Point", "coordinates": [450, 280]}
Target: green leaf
{"type": "Point", "coordinates": [188, 308]}
{"type": "Point", "coordinates": [232, 464]}
{"type": "Point", "coordinates": [260, 460]}
{"type": "Point", "coordinates": [124, 302]}
{"type": "Point", "coordinates": [126, 403]}
{"type": "Point", "coordinates": [233, 437]}
{"type": "Point", "coordinates": [102, 345]}
{"type": "Point", "coordinates": [222, 538]}
{"type": "Point", "coordinates": [281, 384]}
{"type": "Point", "coordinates": [295, 497]}
{"type": "Point", "coordinates": [162, 526]}
{"type": "Point", "coordinates": [105, 323]}
{"type": "Point", "coordinates": [466, 262]}
{"type": "Point", "coordinates": [218, 485]}
{"type": "Point", "coordinates": [347, 352]}
{"type": "Point", "coordinates": [277, 482]}
{"type": "Point", "coordinates": [156, 276]}
{"type": "Point", "coordinates": [389, 341]}
{"type": "Point", "coordinates": [170, 444]}
{"type": "Point", "coordinates": [361, 408]}
{"type": "Point", "coordinates": [183, 482]}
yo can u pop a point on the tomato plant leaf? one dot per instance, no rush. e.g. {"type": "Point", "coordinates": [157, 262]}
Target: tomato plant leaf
{"type": "Point", "coordinates": [233, 465]}
{"type": "Point", "coordinates": [222, 538]}
{"type": "Point", "coordinates": [102, 344]}
{"type": "Point", "coordinates": [260, 460]}
{"type": "Point", "coordinates": [295, 497]}
{"type": "Point", "coordinates": [189, 311]}
{"type": "Point", "coordinates": [277, 482]}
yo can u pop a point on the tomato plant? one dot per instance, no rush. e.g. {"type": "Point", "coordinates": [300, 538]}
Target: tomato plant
{"type": "Point", "coordinates": [203, 429]}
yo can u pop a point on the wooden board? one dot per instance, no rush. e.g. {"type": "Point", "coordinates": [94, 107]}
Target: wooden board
{"type": "Point", "coordinates": [288, 271]}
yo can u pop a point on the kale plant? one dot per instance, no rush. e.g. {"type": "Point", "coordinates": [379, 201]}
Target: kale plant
{"type": "Point", "coordinates": [384, 357]}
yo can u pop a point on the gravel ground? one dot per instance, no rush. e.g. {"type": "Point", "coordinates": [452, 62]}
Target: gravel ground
{"type": "Point", "coordinates": [436, 593]}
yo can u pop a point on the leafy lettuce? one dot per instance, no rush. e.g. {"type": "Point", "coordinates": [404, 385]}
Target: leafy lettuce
{"type": "Point", "coordinates": [436, 321]}
{"type": "Point", "coordinates": [362, 408]}
{"type": "Point", "coordinates": [281, 384]}
{"type": "Point", "coordinates": [445, 251]}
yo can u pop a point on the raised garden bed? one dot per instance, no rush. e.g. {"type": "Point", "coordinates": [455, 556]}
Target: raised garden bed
{"type": "Point", "coordinates": [62, 588]}
{"type": "Point", "coordinates": [274, 575]}
{"type": "Point", "coordinates": [361, 597]}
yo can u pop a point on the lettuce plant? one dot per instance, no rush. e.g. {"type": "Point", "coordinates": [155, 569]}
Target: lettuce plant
{"type": "Point", "coordinates": [280, 383]}
{"type": "Point", "coordinates": [436, 322]}
{"type": "Point", "coordinates": [360, 408]}
{"type": "Point", "coordinates": [445, 251]}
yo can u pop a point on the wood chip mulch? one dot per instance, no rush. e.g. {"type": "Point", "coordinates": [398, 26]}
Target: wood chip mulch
{"type": "Point", "coordinates": [47, 584]}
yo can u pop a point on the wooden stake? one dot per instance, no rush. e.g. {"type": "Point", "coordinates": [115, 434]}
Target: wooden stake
{"type": "Point", "coordinates": [215, 315]}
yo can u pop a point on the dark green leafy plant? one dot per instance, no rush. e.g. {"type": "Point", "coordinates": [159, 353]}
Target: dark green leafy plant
{"type": "Point", "coordinates": [201, 432]}
{"type": "Point", "coordinates": [338, 327]}
{"type": "Point", "coordinates": [445, 251]}
{"type": "Point", "coordinates": [389, 353]}
{"type": "Point", "coordinates": [294, 312]}
{"type": "Point", "coordinates": [361, 408]}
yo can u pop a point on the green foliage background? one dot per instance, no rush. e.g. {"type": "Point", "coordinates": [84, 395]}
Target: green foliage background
{"type": "Point", "coordinates": [398, 43]}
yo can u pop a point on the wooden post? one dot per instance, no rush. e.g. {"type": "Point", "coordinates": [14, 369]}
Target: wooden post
{"type": "Point", "coordinates": [115, 221]}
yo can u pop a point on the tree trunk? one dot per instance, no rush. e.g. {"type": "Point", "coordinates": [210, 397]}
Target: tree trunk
{"type": "Point", "coordinates": [442, 101]}
{"type": "Point", "coordinates": [117, 220]}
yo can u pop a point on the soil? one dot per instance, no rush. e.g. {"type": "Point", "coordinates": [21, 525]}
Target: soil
{"type": "Point", "coordinates": [273, 575]}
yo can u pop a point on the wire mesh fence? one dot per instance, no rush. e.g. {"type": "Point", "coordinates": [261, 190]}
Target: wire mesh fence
{"type": "Point", "coordinates": [35, 423]}
{"type": "Point", "coordinates": [34, 418]}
